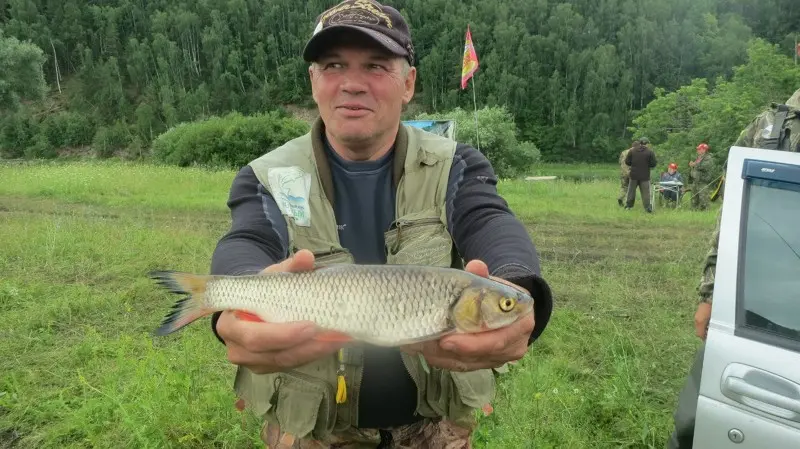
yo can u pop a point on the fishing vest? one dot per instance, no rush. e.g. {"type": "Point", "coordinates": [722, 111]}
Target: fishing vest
{"type": "Point", "coordinates": [316, 399]}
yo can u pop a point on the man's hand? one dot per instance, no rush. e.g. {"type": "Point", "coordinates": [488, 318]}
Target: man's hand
{"type": "Point", "coordinates": [490, 349]}
{"type": "Point", "coordinates": [701, 320]}
{"type": "Point", "coordinates": [271, 347]}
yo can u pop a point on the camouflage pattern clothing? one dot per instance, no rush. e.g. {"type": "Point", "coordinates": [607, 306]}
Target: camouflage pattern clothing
{"type": "Point", "coordinates": [425, 434]}
{"type": "Point", "coordinates": [701, 176]}
{"type": "Point", "coordinates": [624, 176]}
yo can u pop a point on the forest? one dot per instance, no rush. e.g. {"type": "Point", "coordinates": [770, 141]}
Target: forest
{"type": "Point", "coordinates": [574, 74]}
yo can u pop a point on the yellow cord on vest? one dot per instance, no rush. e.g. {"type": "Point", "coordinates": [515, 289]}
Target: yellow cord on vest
{"type": "Point", "coordinates": [341, 386]}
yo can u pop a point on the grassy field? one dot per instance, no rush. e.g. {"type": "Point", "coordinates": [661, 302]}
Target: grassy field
{"type": "Point", "coordinates": [78, 367]}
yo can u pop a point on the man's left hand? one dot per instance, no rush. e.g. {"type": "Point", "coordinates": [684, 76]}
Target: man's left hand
{"type": "Point", "coordinates": [470, 352]}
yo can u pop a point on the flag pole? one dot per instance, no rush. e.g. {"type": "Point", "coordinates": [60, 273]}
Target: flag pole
{"type": "Point", "coordinates": [475, 103]}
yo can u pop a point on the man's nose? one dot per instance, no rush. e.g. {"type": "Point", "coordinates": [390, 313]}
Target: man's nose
{"type": "Point", "coordinates": [353, 82]}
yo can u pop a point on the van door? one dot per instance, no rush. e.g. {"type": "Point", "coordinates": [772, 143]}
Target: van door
{"type": "Point", "coordinates": [750, 387]}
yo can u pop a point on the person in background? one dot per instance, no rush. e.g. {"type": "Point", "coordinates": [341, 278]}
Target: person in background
{"type": "Point", "coordinates": [641, 159]}
{"type": "Point", "coordinates": [624, 174]}
{"type": "Point", "coordinates": [672, 175]}
{"type": "Point", "coordinates": [700, 177]}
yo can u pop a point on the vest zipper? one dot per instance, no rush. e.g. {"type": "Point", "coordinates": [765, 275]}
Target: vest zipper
{"type": "Point", "coordinates": [414, 377]}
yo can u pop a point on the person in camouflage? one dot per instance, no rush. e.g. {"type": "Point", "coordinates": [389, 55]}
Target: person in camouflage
{"type": "Point", "coordinates": [760, 133]}
{"type": "Point", "coordinates": [703, 169]}
{"type": "Point", "coordinates": [624, 174]}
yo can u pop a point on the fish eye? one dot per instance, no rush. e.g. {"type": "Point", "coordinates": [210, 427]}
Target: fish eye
{"type": "Point", "coordinates": [507, 304]}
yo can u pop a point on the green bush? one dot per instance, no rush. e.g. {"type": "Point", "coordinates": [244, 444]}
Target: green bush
{"type": "Point", "coordinates": [107, 140]}
{"type": "Point", "coordinates": [68, 129]}
{"type": "Point", "coordinates": [41, 148]}
{"type": "Point", "coordinates": [17, 131]}
{"type": "Point", "coordinates": [498, 138]}
{"type": "Point", "coordinates": [230, 141]}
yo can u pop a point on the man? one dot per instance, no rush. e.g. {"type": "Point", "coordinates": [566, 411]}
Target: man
{"type": "Point", "coordinates": [624, 174]}
{"type": "Point", "coordinates": [672, 175]}
{"type": "Point", "coordinates": [361, 187]}
{"type": "Point", "coordinates": [641, 159]}
{"type": "Point", "coordinates": [701, 175]}
{"type": "Point", "coordinates": [777, 128]}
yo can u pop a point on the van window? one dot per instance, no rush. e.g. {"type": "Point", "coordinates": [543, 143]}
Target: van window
{"type": "Point", "coordinates": [769, 272]}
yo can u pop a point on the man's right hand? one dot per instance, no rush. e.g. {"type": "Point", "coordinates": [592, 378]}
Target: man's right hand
{"type": "Point", "coordinates": [272, 347]}
{"type": "Point", "coordinates": [701, 320]}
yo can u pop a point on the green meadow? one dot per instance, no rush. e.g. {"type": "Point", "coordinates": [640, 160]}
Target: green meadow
{"type": "Point", "coordinates": [79, 367]}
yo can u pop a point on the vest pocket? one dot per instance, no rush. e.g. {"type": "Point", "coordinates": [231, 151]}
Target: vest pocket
{"type": "Point", "coordinates": [473, 390]}
{"type": "Point", "coordinates": [451, 394]}
{"type": "Point", "coordinates": [332, 256]}
{"type": "Point", "coordinates": [419, 239]}
{"type": "Point", "coordinates": [304, 405]}
{"type": "Point", "coordinates": [326, 254]}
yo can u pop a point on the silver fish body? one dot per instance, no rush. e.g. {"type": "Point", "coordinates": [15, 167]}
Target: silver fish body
{"type": "Point", "coordinates": [385, 305]}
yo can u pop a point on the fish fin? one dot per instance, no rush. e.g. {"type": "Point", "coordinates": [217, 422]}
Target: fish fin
{"type": "Point", "coordinates": [287, 441]}
{"type": "Point", "coordinates": [247, 316]}
{"type": "Point", "coordinates": [185, 310]}
{"type": "Point", "coordinates": [333, 336]}
{"type": "Point", "coordinates": [424, 364]}
{"type": "Point", "coordinates": [405, 342]}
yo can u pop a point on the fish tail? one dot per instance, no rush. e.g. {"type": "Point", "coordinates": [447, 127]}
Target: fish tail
{"type": "Point", "coordinates": [185, 310]}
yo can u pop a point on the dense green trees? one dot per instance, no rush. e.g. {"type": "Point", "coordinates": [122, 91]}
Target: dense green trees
{"type": "Point", "coordinates": [21, 76]}
{"type": "Point", "coordinates": [573, 73]}
{"type": "Point", "coordinates": [677, 122]}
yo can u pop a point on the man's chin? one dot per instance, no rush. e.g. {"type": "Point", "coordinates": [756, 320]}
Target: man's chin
{"type": "Point", "coordinates": [354, 136]}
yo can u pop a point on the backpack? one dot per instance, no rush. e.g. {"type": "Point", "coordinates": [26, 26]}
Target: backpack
{"type": "Point", "coordinates": [782, 130]}
{"type": "Point", "coordinates": [777, 128]}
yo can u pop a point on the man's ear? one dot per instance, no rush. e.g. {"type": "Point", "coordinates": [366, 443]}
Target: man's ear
{"type": "Point", "coordinates": [311, 75]}
{"type": "Point", "coordinates": [410, 85]}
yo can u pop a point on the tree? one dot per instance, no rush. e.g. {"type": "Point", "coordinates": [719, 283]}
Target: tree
{"type": "Point", "coordinates": [21, 75]}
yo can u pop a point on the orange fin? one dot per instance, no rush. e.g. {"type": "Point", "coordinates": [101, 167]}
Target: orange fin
{"type": "Point", "coordinates": [247, 316]}
{"type": "Point", "coordinates": [185, 310]}
{"type": "Point", "coordinates": [333, 336]}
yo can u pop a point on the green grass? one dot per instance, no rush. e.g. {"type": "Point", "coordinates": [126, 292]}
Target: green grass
{"type": "Point", "coordinates": [78, 367]}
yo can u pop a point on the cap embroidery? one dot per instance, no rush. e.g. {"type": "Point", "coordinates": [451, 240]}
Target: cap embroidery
{"type": "Point", "coordinates": [354, 16]}
{"type": "Point", "coordinates": [368, 14]}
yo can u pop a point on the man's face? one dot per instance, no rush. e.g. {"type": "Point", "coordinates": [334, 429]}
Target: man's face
{"type": "Point", "coordinates": [360, 91]}
{"type": "Point", "coordinates": [671, 171]}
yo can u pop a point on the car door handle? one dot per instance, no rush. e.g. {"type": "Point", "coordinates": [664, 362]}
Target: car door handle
{"type": "Point", "coordinates": [776, 404]}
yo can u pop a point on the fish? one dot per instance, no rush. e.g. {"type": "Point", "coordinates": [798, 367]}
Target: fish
{"type": "Point", "coordinates": [383, 305]}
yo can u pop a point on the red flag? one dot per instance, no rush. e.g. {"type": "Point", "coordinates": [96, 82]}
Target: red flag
{"type": "Point", "coordinates": [470, 61]}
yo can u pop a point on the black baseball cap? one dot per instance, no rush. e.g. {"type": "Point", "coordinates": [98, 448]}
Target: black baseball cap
{"type": "Point", "coordinates": [382, 23]}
